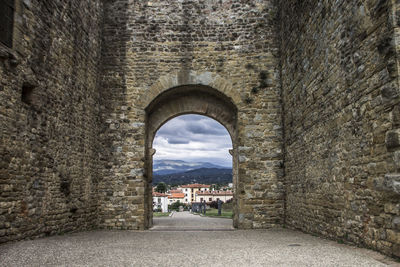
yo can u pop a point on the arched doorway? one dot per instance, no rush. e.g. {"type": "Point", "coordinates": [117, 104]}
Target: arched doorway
{"type": "Point", "coordinates": [189, 99]}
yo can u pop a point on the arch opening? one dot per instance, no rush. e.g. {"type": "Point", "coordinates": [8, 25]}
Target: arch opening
{"type": "Point", "coordinates": [183, 100]}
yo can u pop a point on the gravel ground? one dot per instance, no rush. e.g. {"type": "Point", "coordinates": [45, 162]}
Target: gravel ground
{"type": "Point", "coordinates": [221, 247]}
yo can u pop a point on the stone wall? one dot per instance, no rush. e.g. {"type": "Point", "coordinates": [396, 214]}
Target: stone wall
{"type": "Point", "coordinates": [341, 119]}
{"type": "Point", "coordinates": [78, 85]}
{"type": "Point", "coordinates": [150, 46]}
{"type": "Point", "coordinates": [49, 120]}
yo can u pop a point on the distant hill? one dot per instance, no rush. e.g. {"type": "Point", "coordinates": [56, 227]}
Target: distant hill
{"type": "Point", "coordinates": [202, 175]}
{"type": "Point", "coordinates": [162, 167]}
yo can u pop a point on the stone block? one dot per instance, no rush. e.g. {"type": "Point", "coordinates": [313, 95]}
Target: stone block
{"type": "Point", "coordinates": [393, 236]}
{"type": "Point", "coordinates": [395, 116]}
{"type": "Point", "coordinates": [396, 223]}
{"type": "Point", "coordinates": [392, 183]}
{"type": "Point", "coordinates": [393, 208]}
{"type": "Point", "coordinates": [396, 159]}
{"type": "Point", "coordinates": [392, 139]}
{"type": "Point", "coordinates": [396, 250]}
{"type": "Point", "coordinates": [389, 92]}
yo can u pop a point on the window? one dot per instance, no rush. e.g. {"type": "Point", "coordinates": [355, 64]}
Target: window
{"type": "Point", "coordinates": [201, 199]}
{"type": "Point", "coordinates": [210, 199]}
{"type": "Point", "coordinates": [6, 21]}
{"type": "Point", "coordinates": [159, 200]}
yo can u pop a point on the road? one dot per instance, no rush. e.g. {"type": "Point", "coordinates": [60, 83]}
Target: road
{"type": "Point", "coordinates": [185, 221]}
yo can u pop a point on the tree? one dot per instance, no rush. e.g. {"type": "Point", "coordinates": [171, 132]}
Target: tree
{"type": "Point", "coordinates": [175, 205]}
{"type": "Point", "coordinates": [161, 188]}
{"type": "Point", "coordinates": [214, 204]}
{"type": "Point", "coordinates": [215, 187]}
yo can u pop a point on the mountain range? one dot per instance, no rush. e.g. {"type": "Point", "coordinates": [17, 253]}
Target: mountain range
{"type": "Point", "coordinates": [161, 167]}
{"type": "Point", "coordinates": [176, 172]}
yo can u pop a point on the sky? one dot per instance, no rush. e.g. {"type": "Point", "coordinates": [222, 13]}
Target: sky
{"type": "Point", "coordinates": [193, 138]}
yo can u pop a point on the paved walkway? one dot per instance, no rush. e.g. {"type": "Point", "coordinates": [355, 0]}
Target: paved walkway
{"type": "Point", "coordinates": [185, 221]}
{"type": "Point", "coordinates": [275, 247]}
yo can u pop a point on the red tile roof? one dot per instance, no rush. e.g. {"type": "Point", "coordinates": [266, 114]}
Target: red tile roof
{"type": "Point", "coordinates": [177, 195]}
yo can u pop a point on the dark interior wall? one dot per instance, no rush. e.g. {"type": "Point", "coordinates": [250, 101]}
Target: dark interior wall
{"type": "Point", "coordinates": [49, 119]}
{"type": "Point", "coordinates": [341, 115]}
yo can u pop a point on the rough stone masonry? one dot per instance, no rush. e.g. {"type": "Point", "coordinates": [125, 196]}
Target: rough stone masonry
{"type": "Point", "coordinates": [309, 91]}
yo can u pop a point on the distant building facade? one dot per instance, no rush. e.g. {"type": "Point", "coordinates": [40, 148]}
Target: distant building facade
{"type": "Point", "coordinates": [210, 196]}
{"type": "Point", "coordinates": [190, 191]}
{"type": "Point", "coordinates": [175, 197]}
{"type": "Point", "coordinates": [160, 202]}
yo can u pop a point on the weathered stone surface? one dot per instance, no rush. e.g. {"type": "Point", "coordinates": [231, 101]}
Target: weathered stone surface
{"type": "Point", "coordinates": [340, 95]}
{"type": "Point", "coordinates": [49, 120]}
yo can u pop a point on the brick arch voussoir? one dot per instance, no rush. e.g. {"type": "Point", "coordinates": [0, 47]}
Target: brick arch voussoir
{"type": "Point", "coordinates": [172, 80]}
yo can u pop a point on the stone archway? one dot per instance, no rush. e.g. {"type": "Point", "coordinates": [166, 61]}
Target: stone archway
{"type": "Point", "coordinates": [256, 133]}
{"type": "Point", "coordinates": [188, 99]}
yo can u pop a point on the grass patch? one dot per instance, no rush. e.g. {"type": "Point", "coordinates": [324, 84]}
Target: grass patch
{"type": "Point", "coordinates": [214, 213]}
{"type": "Point", "coordinates": [161, 214]}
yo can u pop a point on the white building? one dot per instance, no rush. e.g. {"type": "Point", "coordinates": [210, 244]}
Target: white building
{"type": "Point", "coordinates": [190, 191]}
{"type": "Point", "coordinates": [175, 197]}
{"type": "Point", "coordinates": [210, 196]}
{"type": "Point", "coordinates": [160, 201]}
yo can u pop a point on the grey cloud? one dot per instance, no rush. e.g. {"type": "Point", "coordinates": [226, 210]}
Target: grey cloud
{"type": "Point", "coordinates": [177, 140]}
{"type": "Point", "coordinates": [173, 126]}
{"type": "Point", "coordinates": [194, 127]}
{"type": "Point", "coordinates": [208, 127]}
{"type": "Point", "coordinates": [193, 138]}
